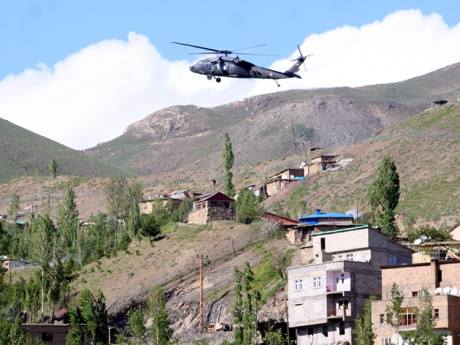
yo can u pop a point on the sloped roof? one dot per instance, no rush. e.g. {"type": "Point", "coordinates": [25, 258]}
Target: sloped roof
{"type": "Point", "coordinates": [216, 195]}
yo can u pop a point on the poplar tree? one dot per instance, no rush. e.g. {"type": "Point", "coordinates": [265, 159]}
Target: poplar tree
{"type": "Point", "coordinates": [161, 330]}
{"type": "Point", "coordinates": [394, 310]}
{"type": "Point", "coordinates": [364, 327]}
{"type": "Point", "coordinates": [76, 335]}
{"type": "Point", "coordinates": [228, 164]}
{"type": "Point", "coordinates": [383, 196]}
{"type": "Point", "coordinates": [14, 207]}
{"type": "Point", "coordinates": [245, 306]}
{"type": "Point", "coordinates": [425, 334]}
{"type": "Point", "coordinates": [68, 219]}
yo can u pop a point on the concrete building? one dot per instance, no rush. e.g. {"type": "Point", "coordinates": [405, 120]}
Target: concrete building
{"type": "Point", "coordinates": [324, 298]}
{"type": "Point", "coordinates": [317, 221]}
{"type": "Point", "coordinates": [441, 279]}
{"type": "Point", "coordinates": [216, 206]}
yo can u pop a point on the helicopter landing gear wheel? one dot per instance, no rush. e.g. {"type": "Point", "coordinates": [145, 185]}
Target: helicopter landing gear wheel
{"type": "Point", "coordinates": [218, 80]}
{"type": "Point", "coordinates": [209, 77]}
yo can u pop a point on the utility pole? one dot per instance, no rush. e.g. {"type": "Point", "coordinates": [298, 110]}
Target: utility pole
{"type": "Point", "coordinates": [357, 211]}
{"type": "Point", "coordinates": [201, 263]}
{"type": "Point", "coordinates": [293, 135]}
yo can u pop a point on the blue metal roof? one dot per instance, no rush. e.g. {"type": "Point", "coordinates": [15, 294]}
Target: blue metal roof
{"type": "Point", "coordinates": [315, 218]}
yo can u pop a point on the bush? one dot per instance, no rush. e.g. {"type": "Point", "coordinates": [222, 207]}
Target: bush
{"type": "Point", "coordinates": [431, 232]}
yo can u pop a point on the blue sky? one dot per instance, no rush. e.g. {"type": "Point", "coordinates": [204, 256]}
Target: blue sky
{"type": "Point", "coordinates": [80, 72]}
{"type": "Point", "coordinates": [46, 31]}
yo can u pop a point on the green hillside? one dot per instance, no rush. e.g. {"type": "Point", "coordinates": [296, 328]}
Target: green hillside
{"type": "Point", "coordinates": [24, 153]}
{"type": "Point", "coordinates": [426, 149]}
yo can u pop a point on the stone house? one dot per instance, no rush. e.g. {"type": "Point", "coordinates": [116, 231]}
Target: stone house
{"type": "Point", "coordinates": [325, 297]}
{"type": "Point", "coordinates": [48, 334]}
{"type": "Point", "coordinates": [279, 181]}
{"type": "Point", "coordinates": [216, 206]}
{"type": "Point", "coordinates": [320, 163]}
{"type": "Point", "coordinates": [441, 279]}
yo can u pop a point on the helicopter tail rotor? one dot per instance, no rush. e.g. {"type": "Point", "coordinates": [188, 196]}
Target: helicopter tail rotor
{"type": "Point", "coordinates": [299, 61]}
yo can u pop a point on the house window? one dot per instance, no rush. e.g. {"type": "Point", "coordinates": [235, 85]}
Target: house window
{"type": "Point", "coordinates": [342, 328]}
{"type": "Point", "coordinates": [298, 285]}
{"type": "Point", "coordinates": [325, 332]}
{"type": "Point", "coordinates": [382, 318]}
{"type": "Point", "coordinates": [436, 313]}
{"type": "Point", "coordinates": [47, 337]}
{"type": "Point", "coordinates": [323, 243]}
{"type": "Point", "coordinates": [349, 257]}
{"type": "Point", "coordinates": [392, 259]}
{"type": "Point", "coordinates": [317, 282]}
{"type": "Point", "coordinates": [340, 279]}
{"type": "Point", "coordinates": [310, 330]}
{"type": "Point", "coordinates": [414, 293]}
{"type": "Point", "coordinates": [386, 341]}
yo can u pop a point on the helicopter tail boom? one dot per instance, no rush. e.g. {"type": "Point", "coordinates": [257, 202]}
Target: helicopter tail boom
{"type": "Point", "coordinates": [298, 62]}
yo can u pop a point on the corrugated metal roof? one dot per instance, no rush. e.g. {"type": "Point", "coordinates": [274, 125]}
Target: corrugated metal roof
{"type": "Point", "coordinates": [318, 215]}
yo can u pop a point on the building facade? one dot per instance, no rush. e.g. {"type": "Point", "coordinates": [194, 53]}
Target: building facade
{"type": "Point", "coordinates": [440, 279]}
{"type": "Point", "coordinates": [325, 297]}
{"type": "Point", "coordinates": [208, 208]}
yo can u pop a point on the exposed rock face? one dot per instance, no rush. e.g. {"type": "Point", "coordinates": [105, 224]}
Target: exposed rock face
{"type": "Point", "coordinates": [265, 127]}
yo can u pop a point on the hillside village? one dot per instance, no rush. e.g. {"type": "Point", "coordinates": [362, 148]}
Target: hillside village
{"type": "Point", "coordinates": [303, 230]}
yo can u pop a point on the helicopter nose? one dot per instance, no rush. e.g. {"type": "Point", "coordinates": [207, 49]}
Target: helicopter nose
{"type": "Point", "coordinates": [192, 68]}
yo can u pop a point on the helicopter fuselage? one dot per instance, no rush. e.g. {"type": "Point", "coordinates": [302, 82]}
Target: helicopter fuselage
{"type": "Point", "coordinates": [234, 67]}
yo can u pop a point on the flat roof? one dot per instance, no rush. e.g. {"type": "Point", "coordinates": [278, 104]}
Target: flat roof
{"type": "Point", "coordinates": [420, 264]}
{"type": "Point", "coordinates": [329, 232]}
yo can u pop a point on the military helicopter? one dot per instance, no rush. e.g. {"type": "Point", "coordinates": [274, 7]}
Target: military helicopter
{"type": "Point", "coordinates": [225, 65]}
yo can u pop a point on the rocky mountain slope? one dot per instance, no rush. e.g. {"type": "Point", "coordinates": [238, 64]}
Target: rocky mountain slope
{"type": "Point", "coordinates": [426, 150]}
{"type": "Point", "coordinates": [265, 127]}
{"type": "Point", "coordinates": [24, 153]}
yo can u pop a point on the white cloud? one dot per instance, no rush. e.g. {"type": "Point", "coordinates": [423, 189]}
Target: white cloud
{"type": "Point", "coordinates": [92, 95]}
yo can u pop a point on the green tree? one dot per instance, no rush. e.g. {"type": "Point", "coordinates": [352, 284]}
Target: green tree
{"type": "Point", "coordinates": [76, 335]}
{"type": "Point", "coordinates": [134, 196]}
{"type": "Point", "coordinates": [274, 336]}
{"type": "Point", "coordinates": [383, 196]}
{"type": "Point", "coordinates": [94, 315]}
{"type": "Point", "coordinates": [42, 249]}
{"type": "Point", "coordinates": [425, 334]}
{"type": "Point", "coordinates": [161, 330]}
{"type": "Point", "coordinates": [52, 168]}
{"type": "Point", "coordinates": [245, 306]}
{"type": "Point", "coordinates": [238, 307]}
{"type": "Point", "coordinates": [229, 188]}
{"type": "Point", "coordinates": [394, 310]}
{"type": "Point", "coordinates": [247, 207]}
{"type": "Point", "coordinates": [364, 329]}
{"type": "Point", "coordinates": [136, 327]}
{"type": "Point", "coordinates": [68, 219]}
{"type": "Point", "coordinates": [115, 193]}
{"type": "Point", "coordinates": [14, 207]}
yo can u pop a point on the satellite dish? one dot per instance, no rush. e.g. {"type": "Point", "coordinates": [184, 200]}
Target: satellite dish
{"type": "Point", "coordinates": [423, 238]}
{"type": "Point", "coordinates": [418, 241]}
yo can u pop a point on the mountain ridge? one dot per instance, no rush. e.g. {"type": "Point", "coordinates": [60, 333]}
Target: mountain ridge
{"type": "Point", "coordinates": [25, 153]}
{"type": "Point", "coordinates": [265, 127]}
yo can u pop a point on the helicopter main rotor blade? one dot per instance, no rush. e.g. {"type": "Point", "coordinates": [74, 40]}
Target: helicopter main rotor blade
{"type": "Point", "coordinates": [251, 47]}
{"type": "Point", "coordinates": [205, 53]}
{"type": "Point", "coordinates": [255, 54]}
{"type": "Point", "coordinates": [199, 47]}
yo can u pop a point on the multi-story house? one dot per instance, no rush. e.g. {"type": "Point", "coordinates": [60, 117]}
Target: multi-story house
{"type": "Point", "coordinates": [440, 279]}
{"type": "Point", "coordinates": [325, 297]}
